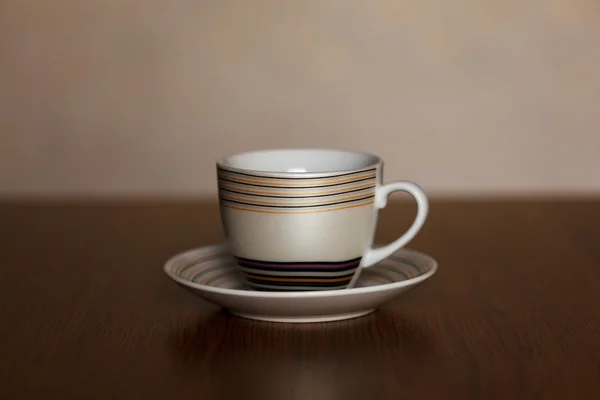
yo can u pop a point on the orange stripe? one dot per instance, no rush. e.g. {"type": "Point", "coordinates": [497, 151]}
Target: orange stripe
{"type": "Point", "coordinates": [312, 183]}
{"type": "Point", "coordinates": [287, 194]}
{"type": "Point", "coordinates": [278, 203]}
{"type": "Point", "coordinates": [299, 280]}
{"type": "Point", "coordinates": [297, 212]}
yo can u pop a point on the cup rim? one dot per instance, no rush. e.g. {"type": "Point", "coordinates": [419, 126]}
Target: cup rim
{"type": "Point", "coordinates": [221, 162]}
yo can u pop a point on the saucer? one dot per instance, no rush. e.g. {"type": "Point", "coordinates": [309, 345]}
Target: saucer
{"type": "Point", "coordinates": [211, 273]}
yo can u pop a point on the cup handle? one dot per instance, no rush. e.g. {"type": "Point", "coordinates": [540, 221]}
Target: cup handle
{"type": "Point", "coordinates": [373, 256]}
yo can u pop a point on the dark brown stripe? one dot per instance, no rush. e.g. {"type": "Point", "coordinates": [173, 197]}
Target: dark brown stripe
{"type": "Point", "coordinates": [298, 284]}
{"type": "Point", "coordinates": [298, 187]}
{"type": "Point", "coordinates": [299, 264]}
{"type": "Point", "coordinates": [302, 206]}
{"type": "Point", "coordinates": [296, 197]}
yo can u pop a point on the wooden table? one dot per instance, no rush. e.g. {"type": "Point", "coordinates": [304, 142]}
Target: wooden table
{"type": "Point", "coordinates": [86, 312]}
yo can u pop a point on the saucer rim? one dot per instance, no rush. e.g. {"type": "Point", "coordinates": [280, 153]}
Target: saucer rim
{"type": "Point", "coordinates": [296, 294]}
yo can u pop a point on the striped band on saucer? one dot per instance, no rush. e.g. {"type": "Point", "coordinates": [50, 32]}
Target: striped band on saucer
{"type": "Point", "coordinates": [393, 269]}
{"type": "Point", "coordinates": [296, 195]}
{"type": "Point", "coordinates": [295, 276]}
{"type": "Point", "coordinates": [215, 266]}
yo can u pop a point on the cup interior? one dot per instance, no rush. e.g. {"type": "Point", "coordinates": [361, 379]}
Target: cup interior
{"type": "Point", "coordinates": [299, 161]}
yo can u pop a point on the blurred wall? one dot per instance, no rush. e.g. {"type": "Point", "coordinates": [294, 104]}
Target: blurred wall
{"type": "Point", "coordinates": [467, 97]}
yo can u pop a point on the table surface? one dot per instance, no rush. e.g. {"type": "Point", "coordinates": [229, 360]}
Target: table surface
{"type": "Point", "coordinates": [87, 313]}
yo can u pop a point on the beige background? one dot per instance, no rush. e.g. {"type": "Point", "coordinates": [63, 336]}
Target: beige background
{"type": "Point", "coordinates": [467, 97]}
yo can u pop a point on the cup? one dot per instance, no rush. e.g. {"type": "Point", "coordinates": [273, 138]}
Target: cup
{"type": "Point", "coordinates": [305, 219]}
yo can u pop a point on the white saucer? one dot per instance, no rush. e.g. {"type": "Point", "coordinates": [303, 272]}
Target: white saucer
{"type": "Point", "coordinates": [211, 273]}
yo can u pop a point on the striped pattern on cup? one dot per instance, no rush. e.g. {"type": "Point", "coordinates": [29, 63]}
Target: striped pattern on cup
{"type": "Point", "coordinates": [295, 276]}
{"type": "Point", "coordinates": [296, 195]}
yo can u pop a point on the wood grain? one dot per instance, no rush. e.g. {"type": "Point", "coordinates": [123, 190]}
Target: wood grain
{"type": "Point", "coordinates": [86, 312]}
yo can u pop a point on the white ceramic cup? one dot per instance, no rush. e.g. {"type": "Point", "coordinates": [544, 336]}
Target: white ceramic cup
{"type": "Point", "coordinates": [305, 219]}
